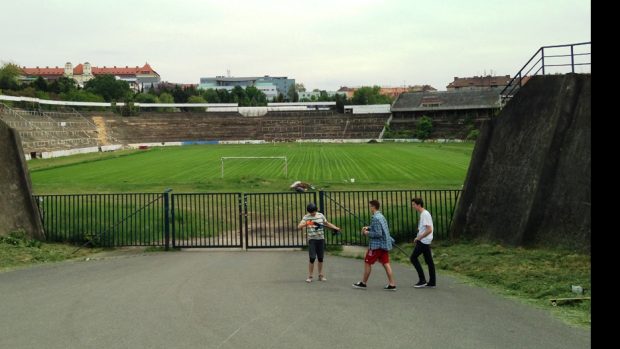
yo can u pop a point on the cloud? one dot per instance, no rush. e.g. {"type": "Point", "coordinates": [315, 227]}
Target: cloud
{"type": "Point", "coordinates": [324, 44]}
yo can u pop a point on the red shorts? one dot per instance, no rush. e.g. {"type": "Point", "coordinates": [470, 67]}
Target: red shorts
{"type": "Point", "coordinates": [372, 256]}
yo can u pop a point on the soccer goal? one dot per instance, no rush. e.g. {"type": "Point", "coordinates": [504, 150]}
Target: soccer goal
{"type": "Point", "coordinates": [256, 158]}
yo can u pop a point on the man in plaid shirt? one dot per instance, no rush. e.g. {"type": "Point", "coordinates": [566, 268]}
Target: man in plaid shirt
{"type": "Point", "coordinates": [378, 248]}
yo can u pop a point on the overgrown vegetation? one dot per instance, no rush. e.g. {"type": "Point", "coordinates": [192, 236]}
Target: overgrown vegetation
{"type": "Point", "coordinates": [473, 134]}
{"type": "Point", "coordinates": [534, 275]}
{"type": "Point", "coordinates": [396, 134]}
{"type": "Point", "coordinates": [17, 250]}
{"type": "Point", "coordinates": [424, 127]}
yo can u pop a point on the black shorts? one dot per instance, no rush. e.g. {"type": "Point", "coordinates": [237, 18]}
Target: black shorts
{"type": "Point", "coordinates": [316, 248]}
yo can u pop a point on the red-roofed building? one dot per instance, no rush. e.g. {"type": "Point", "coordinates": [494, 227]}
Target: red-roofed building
{"type": "Point", "coordinates": [478, 82]}
{"type": "Point", "coordinates": [137, 77]}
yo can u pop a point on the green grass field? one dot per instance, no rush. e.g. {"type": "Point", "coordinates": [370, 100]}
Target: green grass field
{"type": "Point", "coordinates": [197, 168]}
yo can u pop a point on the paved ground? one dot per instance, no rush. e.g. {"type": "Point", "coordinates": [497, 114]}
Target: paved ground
{"type": "Point", "coordinates": [257, 300]}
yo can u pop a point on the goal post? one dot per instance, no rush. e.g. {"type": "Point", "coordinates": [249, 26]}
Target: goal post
{"type": "Point", "coordinates": [255, 158]}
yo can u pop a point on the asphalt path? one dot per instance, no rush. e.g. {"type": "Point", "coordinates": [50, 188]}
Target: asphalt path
{"type": "Point", "coordinates": [257, 299]}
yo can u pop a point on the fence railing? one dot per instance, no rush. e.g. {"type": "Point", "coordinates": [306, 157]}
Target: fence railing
{"type": "Point", "coordinates": [248, 220]}
{"type": "Point", "coordinates": [556, 59]}
{"type": "Point", "coordinates": [104, 219]}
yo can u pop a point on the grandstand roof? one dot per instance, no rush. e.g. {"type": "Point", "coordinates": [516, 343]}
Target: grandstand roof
{"type": "Point", "coordinates": [447, 100]}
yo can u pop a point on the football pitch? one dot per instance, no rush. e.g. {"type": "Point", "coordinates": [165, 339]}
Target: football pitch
{"type": "Point", "coordinates": [198, 168]}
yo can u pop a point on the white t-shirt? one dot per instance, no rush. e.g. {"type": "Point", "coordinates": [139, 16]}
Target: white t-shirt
{"type": "Point", "coordinates": [425, 219]}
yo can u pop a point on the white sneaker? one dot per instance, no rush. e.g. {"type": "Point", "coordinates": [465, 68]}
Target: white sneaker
{"type": "Point", "coordinates": [309, 279]}
{"type": "Point", "coordinates": [322, 278]}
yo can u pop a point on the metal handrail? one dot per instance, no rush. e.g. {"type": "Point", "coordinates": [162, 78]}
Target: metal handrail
{"type": "Point", "coordinates": [517, 81]}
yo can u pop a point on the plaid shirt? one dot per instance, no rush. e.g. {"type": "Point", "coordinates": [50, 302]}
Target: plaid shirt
{"type": "Point", "coordinates": [379, 233]}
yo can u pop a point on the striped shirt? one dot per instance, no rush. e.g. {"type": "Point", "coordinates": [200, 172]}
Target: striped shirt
{"type": "Point", "coordinates": [315, 232]}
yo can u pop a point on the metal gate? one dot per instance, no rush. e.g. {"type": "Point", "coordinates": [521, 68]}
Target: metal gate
{"type": "Point", "coordinates": [207, 220]}
{"type": "Point", "coordinates": [271, 219]}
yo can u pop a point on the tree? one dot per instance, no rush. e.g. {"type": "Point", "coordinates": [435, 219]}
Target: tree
{"type": "Point", "coordinates": [300, 87]}
{"type": "Point", "coordinates": [324, 97]}
{"type": "Point", "coordinates": [369, 95]}
{"type": "Point", "coordinates": [341, 100]}
{"type": "Point", "coordinates": [256, 96]}
{"type": "Point", "coordinates": [237, 95]}
{"type": "Point", "coordinates": [62, 85]}
{"type": "Point", "coordinates": [9, 74]}
{"type": "Point", "coordinates": [196, 99]}
{"type": "Point", "coordinates": [179, 94]}
{"type": "Point", "coordinates": [166, 97]}
{"type": "Point", "coordinates": [211, 96]}
{"type": "Point", "coordinates": [109, 88]}
{"type": "Point", "coordinates": [40, 84]}
{"type": "Point", "coordinates": [292, 95]}
{"type": "Point", "coordinates": [424, 127]}
{"type": "Point", "coordinates": [146, 98]}
{"type": "Point", "coordinates": [81, 96]}
{"type": "Point", "coordinates": [224, 95]}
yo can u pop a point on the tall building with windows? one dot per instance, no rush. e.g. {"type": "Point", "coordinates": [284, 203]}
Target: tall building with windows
{"type": "Point", "coordinates": [271, 86]}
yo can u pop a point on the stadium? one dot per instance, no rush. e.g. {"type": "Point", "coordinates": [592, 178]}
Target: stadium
{"type": "Point", "coordinates": [218, 177]}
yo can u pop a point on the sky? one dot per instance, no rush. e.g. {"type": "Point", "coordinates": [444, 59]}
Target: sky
{"type": "Point", "coordinates": [323, 44]}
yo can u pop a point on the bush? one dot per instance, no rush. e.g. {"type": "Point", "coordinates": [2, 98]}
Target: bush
{"type": "Point", "coordinates": [19, 238]}
{"type": "Point", "coordinates": [424, 127]}
{"type": "Point", "coordinates": [473, 135]}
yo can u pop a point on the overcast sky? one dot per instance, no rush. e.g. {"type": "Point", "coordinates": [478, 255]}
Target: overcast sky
{"type": "Point", "coordinates": [322, 43]}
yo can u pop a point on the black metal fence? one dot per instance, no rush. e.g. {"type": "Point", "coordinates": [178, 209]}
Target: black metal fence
{"type": "Point", "coordinates": [104, 219]}
{"type": "Point", "coordinates": [207, 219]}
{"type": "Point", "coordinates": [248, 220]}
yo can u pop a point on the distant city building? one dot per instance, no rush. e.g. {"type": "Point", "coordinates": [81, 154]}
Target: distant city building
{"type": "Point", "coordinates": [393, 92]}
{"type": "Point", "coordinates": [271, 86]}
{"type": "Point", "coordinates": [316, 94]}
{"type": "Point", "coordinates": [137, 77]}
{"type": "Point", "coordinates": [348, 91]}
{"type": "Point", "coordinates": [478, 82]}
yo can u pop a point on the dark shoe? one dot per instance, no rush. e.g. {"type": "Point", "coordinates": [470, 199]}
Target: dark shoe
{"type": "Point", "coordinates": [359, 285]}
{"type": "Point", "coordinates": [431, 285]}
{"type": "Point", "coordinates": [388, 287]}
{"type": "Point", "coordinates": [420, 284]}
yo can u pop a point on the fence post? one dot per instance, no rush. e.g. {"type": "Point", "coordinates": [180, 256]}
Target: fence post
{"type": "Point", "coordinates": [322, 202]}
{"type": "Point", "coordinates": [172, 230]}
{"type": "Point", "coordinates": [572, 59]}
{"type": "Point", "coordinates": [167, 217]}
{"type": "Point", "coordinates": [543, 60]}
{"type": "Point", "coordinates": [245, 219]}
{"type": "Point", "coordinates": [242, 219]}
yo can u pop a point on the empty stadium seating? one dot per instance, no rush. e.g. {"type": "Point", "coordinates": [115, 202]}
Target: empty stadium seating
{"type": "Point", "coordinates": [50, 131]}
{"type": "Point", "coordinates": [194, 126]}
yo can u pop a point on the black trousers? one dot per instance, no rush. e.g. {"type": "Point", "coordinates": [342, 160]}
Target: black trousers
{"type": "Point", "coordinates": [422, 248]}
